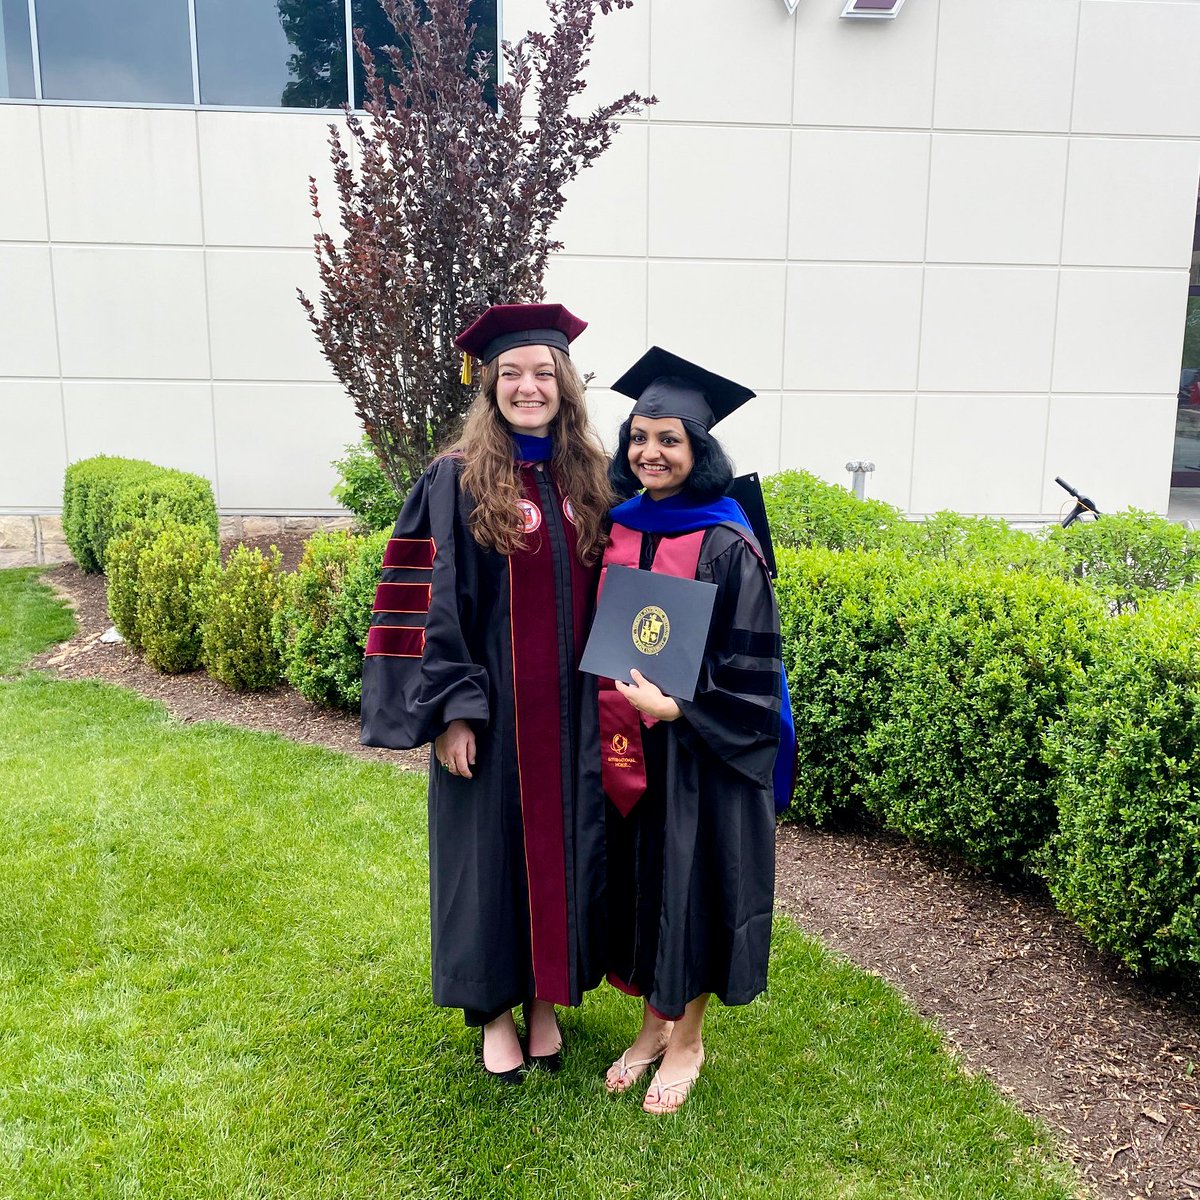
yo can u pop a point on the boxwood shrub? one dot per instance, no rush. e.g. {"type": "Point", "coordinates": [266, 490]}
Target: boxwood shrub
{"type": "Point", "coordinates": [172, 576]}
{"type": "Point", "coordinates": [236, 645]}
{"type": "Point", "coordinates": [122, 561]}
{"type": "Point", "coordinates": [1125, 862]}
{"type": "Point", "coordinates": [307, 601]}
{"type": "Point", "coordinates": [839, 618]}
{"type": "Point", "coordinates": [104, 496]}
{"type": "Point", "coordinates": [1128, 557]}
{"type": "Point", "coordinates": [806, 511]}
{"type": "Point", "coordinates": [984, 664]}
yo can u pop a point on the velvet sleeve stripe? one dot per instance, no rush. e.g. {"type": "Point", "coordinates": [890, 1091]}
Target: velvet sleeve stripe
{"type": "Point", "coordinates": [401, 598]}
{"type": "Point", "coordinates": [746, 713]}
{"type": "Point", "coordinates": [748, 682]}
{"type": "Point", "coordinates": [416, 553]}
{"type": "Point", "coordinates": [395, 641]}
{"type": "Point", "coordinates": [755, 644]}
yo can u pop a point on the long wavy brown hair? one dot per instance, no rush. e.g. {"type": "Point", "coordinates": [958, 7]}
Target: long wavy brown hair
{"type": "Point", "coordinates": [489, 474]}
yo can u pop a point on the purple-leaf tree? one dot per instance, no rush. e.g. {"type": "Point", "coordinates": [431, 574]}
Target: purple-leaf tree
{"type": "Point", "coordinates": [447, 209]}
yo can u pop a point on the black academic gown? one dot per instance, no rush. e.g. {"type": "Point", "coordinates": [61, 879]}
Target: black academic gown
{"type": "Point", "coordinates": [459, 631]}
{"type": "Point", "coordinates": [691, 870]}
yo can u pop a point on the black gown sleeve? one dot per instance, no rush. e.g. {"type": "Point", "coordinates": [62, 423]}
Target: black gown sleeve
{"type": "Point", "coordinates": [734, 716]}
{"type": "Point", "coordinates": [419, 674]}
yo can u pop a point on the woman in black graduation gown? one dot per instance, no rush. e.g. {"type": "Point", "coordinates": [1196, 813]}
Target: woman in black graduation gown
{"type": "Point", "coordinates": [487, 591]}
{"type": "Point", "coordinates": [691, 859]}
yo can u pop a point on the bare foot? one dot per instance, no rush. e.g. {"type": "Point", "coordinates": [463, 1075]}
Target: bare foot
{"type": "Point", "coordinates": [647, 1049]}
{"type": "Point", "coordinates": [673, 1080]}
{"type": "Point", "coordinates": [541, 1029]}
{"type": "Point", "coordinates": [501, 1046]}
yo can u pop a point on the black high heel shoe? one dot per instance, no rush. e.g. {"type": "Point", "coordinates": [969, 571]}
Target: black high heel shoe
{"type": "Point", "coordinates": [550, 1063]}
{"type": "Point", "coordinates": [511, 1077]}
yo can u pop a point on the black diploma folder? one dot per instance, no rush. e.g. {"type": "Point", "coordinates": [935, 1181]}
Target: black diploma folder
{"type": "Point", "coordinates": [657, 623]}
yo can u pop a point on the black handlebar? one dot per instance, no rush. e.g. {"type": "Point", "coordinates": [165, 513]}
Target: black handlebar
{"type": "Point", "coordinates": [1082, 503]}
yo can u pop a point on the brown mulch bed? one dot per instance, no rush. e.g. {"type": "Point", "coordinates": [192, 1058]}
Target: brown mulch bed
{"type": "Point", "coordinates": [1110, 1064]}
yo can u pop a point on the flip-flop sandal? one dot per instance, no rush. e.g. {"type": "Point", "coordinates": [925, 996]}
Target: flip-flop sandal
{"type": "Point", "coordinates": [681, 1087]}
{"type": "Point", "coordinates": [626, 1077]}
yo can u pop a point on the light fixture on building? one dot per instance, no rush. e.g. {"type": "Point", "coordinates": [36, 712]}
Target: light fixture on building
{"type": "Point", "coordinates": [872, 10]}
{"type": "Point", "coordinates": [791, 5]}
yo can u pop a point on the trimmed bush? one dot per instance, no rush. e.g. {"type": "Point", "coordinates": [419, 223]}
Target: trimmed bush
{"type": "Point", "coordinates": [345, 640]}
{"type": "Point", "coordinates": [806, 511]}
{"type": "Point", "coordinates": [172, 578]}
{"type": "Point", "coordinates": [237, 647]}
{"type": "Point", "coordinates": [838, 618]}
{"type": "Point", "coordinates": [306, 605]}
{"type": "Point", "coordinates": [364, 489]}
{"type": "Point", "coordinates": [104, 496]}
{"type": "Point", "coordinates": [1126, 859]}
{"type": "Point", "coordinates": [121, 560]}
{"type": "Point", "coordinates": [165, 496]}
{"type": "Point", "coordinates": [984, 665]}
{"type": "Point", "coordinates": [955, 538]}
{"type": "Point", "coordinates": [89, 488]}
{"type": "Point", "coordinates": [1128, 556]}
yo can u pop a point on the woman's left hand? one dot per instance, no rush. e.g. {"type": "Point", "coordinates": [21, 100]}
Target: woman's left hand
{"type": "Point", "coordinates": [647, 698]}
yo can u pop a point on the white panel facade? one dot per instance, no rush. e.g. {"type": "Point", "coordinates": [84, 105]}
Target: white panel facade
{"type": "Point", "coordinates": [718, 192]}
{"type": "Point", "coordinates": [1136, 68]}
{"type": "Point", "coordinates": [28, 337]}
{"type": "Point", "coordinates": [858, 194]}
{"type": "Point", "coordinates": [166, 423]}
{"type": "Point", "coordinates": [1135, 467]}
{"type": "Point", "coordinates": [254, 177]}
{"type": "Point", "coordinates": [122, 176]}
{"type": "Point", "coordinates": [852, 326]}
{"type": "Point", "coordinates": [823, 431]}
{"type": "Point", "coordinates": [978, 454]}
{"type": "Point", "coordinates": [23, 194]}
{"type": "Point", "coordinates": [275, 442]}
{"type": "Point", "coordinates": [33, 453]}
{"type": "Point", "coordinates": [259, 330]}
{"type": "Point", "coordinates": [978, 183]}
{"type": "Point", "coordinates": [960, 236]}
{"type": "Point", "coordinates": [1006, 65]}
{"type": "Point", "coordinates": [127, 312]}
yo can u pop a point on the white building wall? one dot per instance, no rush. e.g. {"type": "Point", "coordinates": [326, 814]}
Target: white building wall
{"type": "Point", "coordinates": [956, 243]}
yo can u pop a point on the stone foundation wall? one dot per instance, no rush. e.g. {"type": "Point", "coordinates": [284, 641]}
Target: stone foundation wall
{"type": "Point", "coordinates": [36, 540]}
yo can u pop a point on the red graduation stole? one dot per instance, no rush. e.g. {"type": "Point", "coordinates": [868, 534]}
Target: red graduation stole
{"type": "Point", "coordinates": [622, 759]}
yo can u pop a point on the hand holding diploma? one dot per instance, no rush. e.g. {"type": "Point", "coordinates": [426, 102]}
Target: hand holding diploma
{"type": "Point", "coordinates": [647, 698]}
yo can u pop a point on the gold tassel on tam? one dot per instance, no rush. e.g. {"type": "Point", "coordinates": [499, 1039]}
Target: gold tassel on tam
{"type": "Point", "coordinates": [466, 369]}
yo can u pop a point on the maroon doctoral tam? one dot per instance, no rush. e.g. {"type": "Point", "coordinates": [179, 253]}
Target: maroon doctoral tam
{"type": "Point", "coordinates": [504, 326]}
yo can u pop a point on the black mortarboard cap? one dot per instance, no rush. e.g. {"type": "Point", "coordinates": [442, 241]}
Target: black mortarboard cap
{"type": "Point", "coordinates": [665, 385]}
{"type": "Point", "coordinates": [506, 325]}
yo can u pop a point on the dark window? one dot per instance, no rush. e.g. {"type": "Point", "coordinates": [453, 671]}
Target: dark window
{"type": "Point", "coordinates": [378, 32]}
{"type": "Point", "coordinates": [129, 51]}
{"type": "Point", "coordinates": [16, 53]}
{"type": "Point", "coordinates": [316, 32]}
{"type": "Point", "coordinates": [244, 53]}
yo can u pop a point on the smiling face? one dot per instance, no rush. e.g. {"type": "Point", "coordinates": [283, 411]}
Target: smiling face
{"type": "Point", "coordinates": [527, 389]}
{"type": "Point", "coordinates": [660, 455]}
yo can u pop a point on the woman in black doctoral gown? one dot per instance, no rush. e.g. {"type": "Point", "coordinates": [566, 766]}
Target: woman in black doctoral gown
{"type": "Point", "coordinates": [488, 585]}
{"type": "Point", "coordinates": [691, 850]}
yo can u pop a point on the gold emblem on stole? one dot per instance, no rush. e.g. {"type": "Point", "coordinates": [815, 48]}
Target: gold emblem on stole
{"type": "Point", "coordinates": [651, 629]}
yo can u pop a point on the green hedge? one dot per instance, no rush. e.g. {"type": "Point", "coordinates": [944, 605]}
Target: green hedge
{"type": "Point", "coordinates": [236, 645]}
{"type": "Point", "coordinates": [173, 572]}
{"type": "Point", "coordinates": [804, 510]}
{"type": "Point", "coordinates": [838, 618]}
{"type": "Point", "coordinates": [306, 607]}
{"type": "Point", "coordinates": [105, 496]}
{"type": "Point", "coordinates": [1128, 557]}
{"type": "Point", "coordinates": [364, 488]}
{"type": "Point", "coordinates": [1125, 863]}
{"type": "Point", "coordinates": [983, 664]}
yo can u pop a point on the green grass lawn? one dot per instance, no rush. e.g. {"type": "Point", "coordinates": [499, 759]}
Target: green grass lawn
{"type": "Point", "coordinates": [214, 983]}
{"type": "Point", "coordinates": [31, 618]}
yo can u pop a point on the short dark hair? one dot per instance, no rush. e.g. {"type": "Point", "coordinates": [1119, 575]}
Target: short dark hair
{"type": "Point", "coordinates": [712, 471]}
